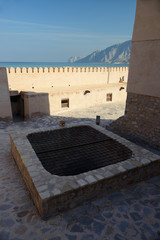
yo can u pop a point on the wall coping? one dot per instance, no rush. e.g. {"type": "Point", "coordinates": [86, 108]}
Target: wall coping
{"type": "Point", "coordinates": [65, 69]}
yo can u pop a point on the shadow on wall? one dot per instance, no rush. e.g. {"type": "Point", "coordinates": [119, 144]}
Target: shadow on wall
{"type": "Point", "coordinates": [17, 106]}
{"type": "Point", "coordinates": [35, 104]}
{"type": "Point", "coordinates": [5, 105]}
{"type": "Point", "coordinates": [20, 105]}
{"type": "Point", "coordinates": [28, 104]}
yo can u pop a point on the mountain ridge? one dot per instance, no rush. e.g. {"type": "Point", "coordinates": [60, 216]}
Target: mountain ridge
{"type": "Point", "coordinates": [115, 54]}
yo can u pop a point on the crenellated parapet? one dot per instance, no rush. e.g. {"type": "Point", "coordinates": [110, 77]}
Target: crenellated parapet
{"type": "Point", "coordinates": [48, 79]}
{"type": "Point", "coordinates": [65, 70]}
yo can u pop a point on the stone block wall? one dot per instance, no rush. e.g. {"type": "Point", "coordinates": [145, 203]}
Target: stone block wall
{"type": "Point", "coordinates": [141, 120]}
{"type": "Point", "coordinates": [142, 115]}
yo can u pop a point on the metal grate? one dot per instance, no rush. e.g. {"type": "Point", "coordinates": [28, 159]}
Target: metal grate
{"type": "Point", "coordinates": [71, 151]}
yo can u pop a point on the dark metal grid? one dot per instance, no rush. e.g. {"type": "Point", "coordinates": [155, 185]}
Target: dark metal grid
{"type": "Point", "coordinates": [71, 151]}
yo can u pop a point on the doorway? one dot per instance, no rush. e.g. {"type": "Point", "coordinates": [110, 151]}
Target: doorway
{"type": "Point", "coordinates": [17, 105]}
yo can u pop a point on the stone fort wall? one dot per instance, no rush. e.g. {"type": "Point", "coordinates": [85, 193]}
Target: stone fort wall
{"type": "Point", "coordinates": [48, 90]}
{"type": "Point", "coordinates": [142, 119]}
{"type": "Point", "coordinates": [50, 79]}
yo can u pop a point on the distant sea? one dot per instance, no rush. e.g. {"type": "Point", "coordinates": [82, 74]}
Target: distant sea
{"type": "Point", "coordinates": [57, 64]}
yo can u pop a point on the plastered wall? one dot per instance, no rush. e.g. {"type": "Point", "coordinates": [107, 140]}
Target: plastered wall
{"type": "Point", "coordinates": [45, 88]}
{"type": "Point", "coordinates": [77, 99]}
{"type": "Point", "coordinates": [35, 104]}
{"type": "Point", "coordinates": [49, 79]}
{"type": "Point", "coordinates": [144, 74]}
{"type": "Point", "coordinates": [5, 105]}
{"type": "Point", "coordinates": [141, 121]}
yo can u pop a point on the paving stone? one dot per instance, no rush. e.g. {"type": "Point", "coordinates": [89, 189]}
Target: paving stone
{"type": "Point", "coordinates": [98, 228]}
{"type": "Point", "coordinates": [7, 223]}
{"type": "Point", "coordinates": [136, 163]}
{"type": "Point", "coordinates": [157, 215]}
{"type": "Point", "coordinates": [136, 216]}
{"type": "Point", "coordinates": [145, 160]}
{"type": "Point", "coordinates": [108, 214]}
{"type": "Point", "coordinates": [107, 174]}
{"type": "Point", "coordinates": [115, 195]}
{"type": "Point", "coordinates": [100, 218]}
{"type": "Point", "coordinates": [20, 229]}
{"type": "Point", "coordinates": [109, 230]}
{"type": "Point", "coordinates": [119, 237]}
{"type": "Point", "coordinates": [81, 182]}
{"type": "Point", "coordinates": [76, 228]}
{"type": "Point", "coordinates": [4, 235]}
{"type": "Point", "coordinates": [124, 208]}
{"type": "Point", "coordinates": [143, 237]}
{"type": "Point", "coordinates": [123, 226]}
{"type": "Point", "coordinates": [129, 166]}
{"type": "Point", "coordinates": [55, 238]}
{"type": "Point", "coordinates": [88, 237]}
{"type": "Point", "coordinates": [17, 239]}
{"type": "Point", "coordinates": [99, 177]}
{"type": "Point", "coordinates": [149, 230]}
{"type": "Point", "coordinates": [73, 185]}
{"type": "Point", "coordinates": [37, 238]}
{"type": "Point", "coordinates": [85, 220]}
{"type": "Point", "coordinates": [147, 211]}
{"type": "Point", "coordinates": [121, 169]}
{"type": "Point", "coordinates": [45, 194]}
{"type": "Point", "coordinates": [42, 188]}
{"type": "Point", "coordinates": [4, 207]}
{"type": "Point", "coordinates": [137, 205]}
{"type": "Point", "coordinates": [22, 214]}
{"type": "Point", "coordinates": [90, 179]}
{"type": "Point", "coordinates": [71, 237]}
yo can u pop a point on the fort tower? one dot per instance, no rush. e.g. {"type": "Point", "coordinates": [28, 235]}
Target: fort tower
{"type": "Point", "coordinates": [142, 115]}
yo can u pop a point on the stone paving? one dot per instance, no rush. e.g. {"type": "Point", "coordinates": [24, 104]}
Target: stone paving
{"type": "Point", "coordinates": [132, 213]}
{"type": "Point", "coordinates": [108, 112]}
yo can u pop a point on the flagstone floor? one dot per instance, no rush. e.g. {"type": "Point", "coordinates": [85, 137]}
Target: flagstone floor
{"type": "Point", "coordinates": [131, 213]}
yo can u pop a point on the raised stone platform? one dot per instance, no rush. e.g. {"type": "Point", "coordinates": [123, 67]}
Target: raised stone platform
{"type": "Point", "coordinates": [53, 194]}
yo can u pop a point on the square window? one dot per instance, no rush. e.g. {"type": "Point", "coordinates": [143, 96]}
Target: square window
{"type": "Point", "coordinates": [109, 97]}
{"type": "Point", "coordinates": [65, 103]}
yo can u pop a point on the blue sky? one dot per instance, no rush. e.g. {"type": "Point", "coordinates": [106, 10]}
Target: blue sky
{"type": "Point", "coordinates": [54, 30]}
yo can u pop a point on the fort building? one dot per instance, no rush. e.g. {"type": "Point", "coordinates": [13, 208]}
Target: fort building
{"type": "Point", "coordinates": [142, 114]}
{"type": "Point", "coordinates": [34, 91]}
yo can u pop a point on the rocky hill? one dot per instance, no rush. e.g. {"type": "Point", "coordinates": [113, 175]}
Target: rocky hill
{"type": "Point", "coordinates": [116, 54]}
{"type": "Point", "coordinates": [74, 59]}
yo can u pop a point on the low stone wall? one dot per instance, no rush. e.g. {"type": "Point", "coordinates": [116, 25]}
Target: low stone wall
{"type": "Point", "coordinates": [141, 120]}
{"type": "Point", "coordinates": [53, 194]}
